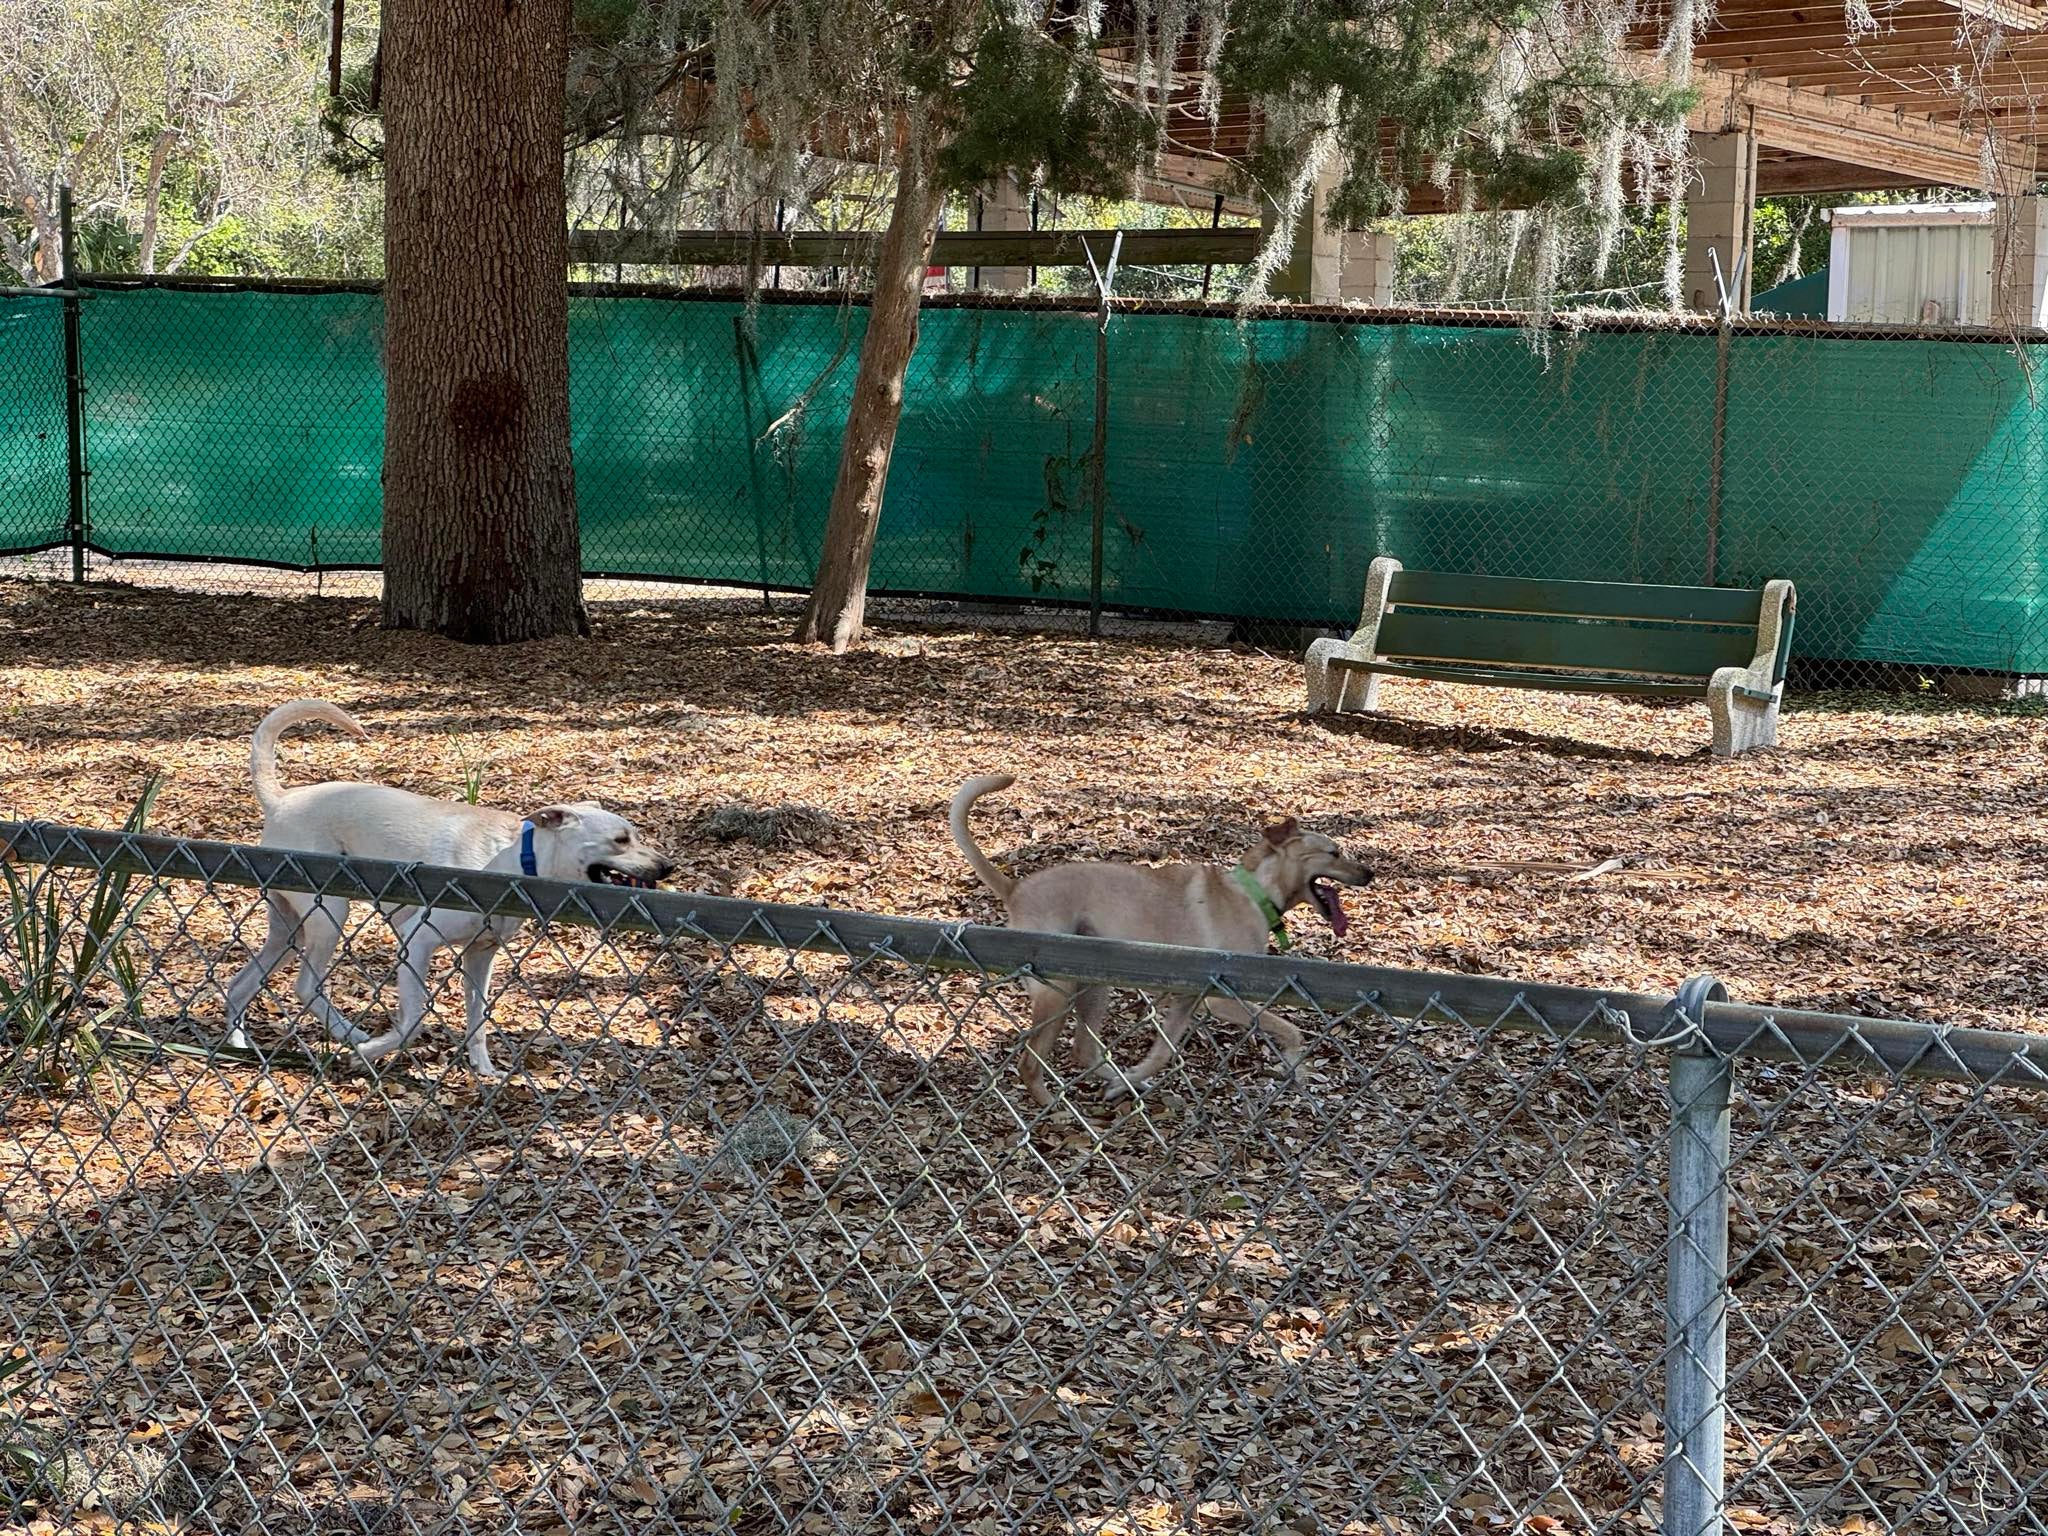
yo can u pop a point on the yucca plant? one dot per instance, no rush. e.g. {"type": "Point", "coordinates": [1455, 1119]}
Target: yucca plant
{"type": "Point", "coordinates": [51, 967]}
{"type": "Point", "coordinates": [21, 1457]}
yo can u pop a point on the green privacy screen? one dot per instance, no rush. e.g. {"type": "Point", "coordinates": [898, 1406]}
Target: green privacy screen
{"type": "Point", "coordinates": [35, 495]}
{"type": "Point", "coordinates": [1253, 468]}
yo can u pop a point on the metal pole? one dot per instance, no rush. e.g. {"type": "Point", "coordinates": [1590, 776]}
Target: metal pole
{"type": "Point", "coordinates": [1105, 282]}
{"type": "Point", "coordinates": [1034, 230]}
{"type": "Point", "coordinates": [1720, 446]}
{"type": "Point", "coordinates": [749, 369]}
{"type": "Point", "coordinates": [1696, 1294]}
{"type": "Point", "coordinates": [1215, 219]}
{"type": "Point", "coordinates": [74, 390]}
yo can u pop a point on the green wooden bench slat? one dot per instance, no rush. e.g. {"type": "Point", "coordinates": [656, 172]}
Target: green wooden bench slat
{"type": "Point", "coordinates": [1528, 642]}
{"type": "Point", "coordinates": [1556, 682]}
{"type": "Point", "coordinates": [1587, 599]}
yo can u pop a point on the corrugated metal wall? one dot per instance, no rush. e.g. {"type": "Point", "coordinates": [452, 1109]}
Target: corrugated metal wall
{"type": "Point", "coordinates": [1894, 271]}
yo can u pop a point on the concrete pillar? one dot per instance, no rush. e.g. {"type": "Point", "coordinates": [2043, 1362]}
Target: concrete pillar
{"type": "Point", "coordinates": [1325, 267]}
{"type": "Point", "coordinates": [1003, 206]}
{"type": "Point", "coordinates": [1720, 216]}
{"type": "Point", "coordinates": [1367, 275]}
{"type": "Point", "coordinates": [2019, 261]}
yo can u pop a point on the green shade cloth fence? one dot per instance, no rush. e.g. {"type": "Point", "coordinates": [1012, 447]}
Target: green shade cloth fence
{"type": "Point", "coordinates": [1254, 467]}
{"type": "Point", "coordinates": [1803, 298]}
{"type": "Point", "coordinates": [34, 490]}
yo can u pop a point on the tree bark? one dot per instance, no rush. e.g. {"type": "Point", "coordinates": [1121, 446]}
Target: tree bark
{"type": "Point", "coordinates": [153, 196]}
{"type": "Point", "coordinates": [480, 534]}
{"type": "Point", "coordinates": [44, 255]}
{"type": "Point", "coordinates": [839, 592]}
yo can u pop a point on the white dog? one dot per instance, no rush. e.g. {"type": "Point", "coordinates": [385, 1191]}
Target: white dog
{"type": "Point", "coordinates": [374, 821]}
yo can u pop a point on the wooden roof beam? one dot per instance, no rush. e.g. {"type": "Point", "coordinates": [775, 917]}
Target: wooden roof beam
{"type": "Point", "coordinates": [1810, 122]}
{"type": "Point", "coordinates": [2014, 15]}
{"type": "Point", "coordinates": [1928, 97]}
{"type": "Point", "coordinates": [1803, 175]}
{"type": "Point", "coordinates": [980, 248]}
{"type": "Point", "coordinates": [1815, 40]}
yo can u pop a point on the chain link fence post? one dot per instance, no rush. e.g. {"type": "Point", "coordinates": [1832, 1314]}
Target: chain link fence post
{"type": "Point", "coordinates": [74, 389]}
{"type": "Point", "coordinates": [1098, 453]}
{"type": "Point", "coordinates": [1717, 466]}
{"type": "Point", "coordinates": [749, 379]}
{"type": "Point", "coordinates": [1695, 1302]}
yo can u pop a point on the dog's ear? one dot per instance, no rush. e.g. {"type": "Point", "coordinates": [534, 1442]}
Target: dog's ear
{"type": "Point", "coordinates": [550, 818]}
{"type": "Point", "coordinates": [1281, 831]}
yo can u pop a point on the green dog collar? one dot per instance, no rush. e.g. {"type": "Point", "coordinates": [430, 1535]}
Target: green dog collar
{"type": "Point", "coordinates": [1275, 923]}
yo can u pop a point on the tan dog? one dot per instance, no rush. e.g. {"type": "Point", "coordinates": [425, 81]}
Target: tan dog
{"type": "Point", "coordinates": [1198, 905]}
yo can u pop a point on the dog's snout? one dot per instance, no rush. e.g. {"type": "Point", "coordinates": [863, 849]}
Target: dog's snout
{"type": "Point", "coordinates": [663, 867]}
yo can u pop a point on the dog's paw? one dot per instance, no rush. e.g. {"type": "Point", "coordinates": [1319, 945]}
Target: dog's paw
{"type": "Point", "coordinates": [370, 1052]}
{"type": "Point", "coordinates": [1287, 1073]}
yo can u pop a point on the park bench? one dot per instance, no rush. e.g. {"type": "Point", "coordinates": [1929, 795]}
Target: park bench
{"type": "Point", "coordinates": [1726, 645]}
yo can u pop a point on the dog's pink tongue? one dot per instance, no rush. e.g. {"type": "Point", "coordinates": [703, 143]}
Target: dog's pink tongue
{"type": "Point", "coordinates": [1333, 909]}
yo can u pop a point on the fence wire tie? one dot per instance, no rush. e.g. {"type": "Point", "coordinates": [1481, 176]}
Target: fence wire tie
{"type": "Point", "coordinates": [670, 930]}
{"type": "Point", "coordinates": [885, 948]}
{"type": "Point", "coordinates": [1605, 1014]}
{"type": "Point", "coordinates": [407, 879]}
{"type": "Point", "coordinates": [1684, 1020]}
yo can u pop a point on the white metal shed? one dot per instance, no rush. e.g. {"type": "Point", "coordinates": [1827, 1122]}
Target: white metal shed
{"type": "Point", "coordinates": [1928, 263]}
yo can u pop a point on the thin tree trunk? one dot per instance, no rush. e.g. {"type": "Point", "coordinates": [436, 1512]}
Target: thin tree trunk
{"type": "Point", "coordinates": [839, 592]}
{"type": "Point", "coordinates": [152, 197]}
{"type": "Point", "coordinates": [480, 534]}
{"type": "Point", "coordinates": [24, 191]}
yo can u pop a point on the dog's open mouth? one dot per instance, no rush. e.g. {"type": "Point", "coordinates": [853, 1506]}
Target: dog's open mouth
{"type": "Point", "coordinates": [605, 874]}
{"type": "Point", "coordinates": [1325, 896]}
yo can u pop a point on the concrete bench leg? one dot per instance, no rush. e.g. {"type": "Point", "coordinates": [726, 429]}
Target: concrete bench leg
{"type": "Point", "coordinates": [1741, 725]}
{"type": "Point", "coordinates": [1339, 689]}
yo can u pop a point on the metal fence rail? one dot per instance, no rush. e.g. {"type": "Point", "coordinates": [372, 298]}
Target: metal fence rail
{"type": "Point", "coordinates": [760, 1235]}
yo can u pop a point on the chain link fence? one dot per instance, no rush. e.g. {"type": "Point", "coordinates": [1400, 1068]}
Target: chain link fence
{"type": "Point", "coordinates": [760, 1235]}
{"type": "Point", "coordinates": [1251, 468]}
{"type": "Point", "coordinates": [33, 482]}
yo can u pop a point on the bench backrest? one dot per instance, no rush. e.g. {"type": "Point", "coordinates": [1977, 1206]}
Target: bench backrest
{"type": "Point", "coordinates": [1514, 621]}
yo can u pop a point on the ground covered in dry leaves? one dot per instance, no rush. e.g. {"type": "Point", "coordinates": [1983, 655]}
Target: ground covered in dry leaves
{"type": "Point", "coordinates": [1422, 1287]}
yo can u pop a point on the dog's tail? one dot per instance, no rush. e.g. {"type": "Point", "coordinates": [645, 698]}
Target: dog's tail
{"type": "Point", "coordinates": [263, 745]}
{"type": "Point", "coordinates": [963, 802]}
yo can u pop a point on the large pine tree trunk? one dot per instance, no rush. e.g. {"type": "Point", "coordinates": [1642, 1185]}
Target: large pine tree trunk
{"type": "Point", "coordinates": [480, 536]}
{"type": "Point", "coordinates": [839, 593]}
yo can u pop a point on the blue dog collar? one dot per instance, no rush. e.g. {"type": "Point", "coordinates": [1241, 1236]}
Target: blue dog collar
{"type": "Point", "coordinates": [527, 866]}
